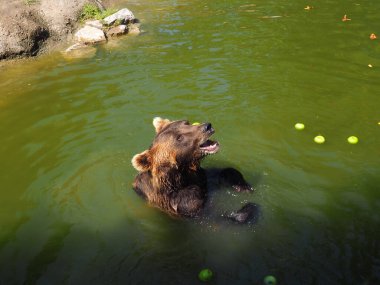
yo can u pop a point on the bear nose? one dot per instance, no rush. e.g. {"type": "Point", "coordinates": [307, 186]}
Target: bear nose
{"type": "Point", "coordinates": [208, 127]}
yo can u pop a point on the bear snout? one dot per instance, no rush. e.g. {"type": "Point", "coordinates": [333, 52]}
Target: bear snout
{"type": "Point", "coordinates": [207, 128]}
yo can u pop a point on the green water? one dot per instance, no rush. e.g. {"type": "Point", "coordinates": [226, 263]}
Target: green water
{"type": "Point", "coordinates": [68, 130]}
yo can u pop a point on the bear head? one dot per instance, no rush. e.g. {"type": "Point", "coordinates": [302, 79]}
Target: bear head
{"type": "Point", "coordinates": [177, 145]}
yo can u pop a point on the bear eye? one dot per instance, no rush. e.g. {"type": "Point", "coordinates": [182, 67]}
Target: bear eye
{"type": "Point", "coordinates": [179, 138]}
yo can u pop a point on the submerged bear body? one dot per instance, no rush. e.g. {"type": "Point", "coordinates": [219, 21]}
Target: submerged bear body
{"type": "Point", "coordinates": [170, 176]}
{"type": "Point", "coordinates": [183, 198]}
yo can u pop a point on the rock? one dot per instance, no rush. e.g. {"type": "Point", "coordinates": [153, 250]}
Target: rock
{"type": "Point", "coordinates": [61, 16]}
{"type": "Point", "coordinates": [22, 37]}
{"type": "Point", "coordinates": [28, 30]}
{"type": "Point", "coordinates": [124, 16]}
{"type": "Point", "coordinates": [90, 35]}
{"type": "Point", "coordinates": [134, 29]}
{"type": "Point", "coordinates": [79, 51]}
{"type": "Point", "coordinates": [75, 47]}
{"type": "Point", "coordinates": [94, 23]}
{"type": "Point", "coordinates": [117, 31]}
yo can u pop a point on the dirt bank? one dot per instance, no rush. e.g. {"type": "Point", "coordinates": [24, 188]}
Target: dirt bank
{"type": "Point", "coordinates": [29, 27]}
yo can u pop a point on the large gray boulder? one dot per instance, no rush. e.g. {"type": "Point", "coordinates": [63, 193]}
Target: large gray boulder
{"type": "Point", "coordinates": [124, 16]}
{"type": "Point", "coordinates": [28, 27]}
{"type": "Point", "coordinates": [60, 15]}
{"type": "Point", "coordinates": [22, 37]}
{"type": "Point", "coordinates": [90, 35]}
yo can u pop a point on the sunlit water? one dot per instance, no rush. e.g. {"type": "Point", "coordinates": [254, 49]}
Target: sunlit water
{"type": "Point", "coordinates": [69, 127]}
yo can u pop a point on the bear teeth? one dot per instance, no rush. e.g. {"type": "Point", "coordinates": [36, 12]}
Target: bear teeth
{"type": "Point", "coordinates": [209, 147]}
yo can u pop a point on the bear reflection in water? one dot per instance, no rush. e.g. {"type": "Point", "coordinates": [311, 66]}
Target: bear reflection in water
{"type": "Point", "coordinates": [171, 178]}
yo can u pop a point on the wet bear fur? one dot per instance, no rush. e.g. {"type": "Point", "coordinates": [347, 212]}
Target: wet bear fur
{"type": "Point", "coordinates": [170, 176]}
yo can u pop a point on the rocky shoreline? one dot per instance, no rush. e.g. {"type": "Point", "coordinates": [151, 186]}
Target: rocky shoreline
{"type": "Point", "coordinates": [98, 31]}
{"type": "Point", "coordinates": [31, 27]}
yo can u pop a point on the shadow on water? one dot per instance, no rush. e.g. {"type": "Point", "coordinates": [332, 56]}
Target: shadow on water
{"type": "Point", "coordinates": [340, 248]}
{"type": "Point", "coordinates": [89, 235]}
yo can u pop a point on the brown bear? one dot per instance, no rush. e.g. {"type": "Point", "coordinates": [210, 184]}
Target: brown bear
{"type": "Point", "coordinates": [170, 176]}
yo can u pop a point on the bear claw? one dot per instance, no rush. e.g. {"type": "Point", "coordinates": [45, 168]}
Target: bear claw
{"type": "Point", "coordinates": [243, 188]}
{"type": "Point", "coordinates": [249, 213]}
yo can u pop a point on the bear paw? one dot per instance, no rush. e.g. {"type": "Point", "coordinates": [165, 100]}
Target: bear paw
{"type": "Point", "coordinates": [232, 177]}
{"type": "Point", "coordinates": [243, 188]}
{"type": "Point", "coordinates": [248, 214]}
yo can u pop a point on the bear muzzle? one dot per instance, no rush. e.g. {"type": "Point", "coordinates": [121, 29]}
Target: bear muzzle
{"type": "Point", "coordinates": [209, 146]}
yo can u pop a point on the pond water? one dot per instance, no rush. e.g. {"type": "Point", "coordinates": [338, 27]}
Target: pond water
{"type": "Point", "coordinates": [69, 128]}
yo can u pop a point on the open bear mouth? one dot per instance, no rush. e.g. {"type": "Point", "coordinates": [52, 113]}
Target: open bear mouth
{"type": "Point", "coordinates": [209, 147]}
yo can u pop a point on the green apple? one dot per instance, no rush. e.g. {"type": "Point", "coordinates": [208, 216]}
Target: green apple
{"type": "Point", "coordinates": [270, 280]}
{"type": "Point", "coordinates": [319, 139]}
{"type": "Point", "coordinates": [352, 140]}
{"type": "Point", "coordinates": [299, 126]}
{"type": "Point", "coordinates": [205, 275]}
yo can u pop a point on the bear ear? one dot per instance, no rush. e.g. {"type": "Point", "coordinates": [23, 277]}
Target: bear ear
{"type": "Point", "coordinates": [142, 161]}
{"type": "Point", "coordinates": [160, 123]}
